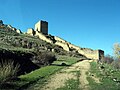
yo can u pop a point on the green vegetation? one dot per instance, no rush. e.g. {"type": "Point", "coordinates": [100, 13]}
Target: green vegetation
{"type": "Point", "coordinates": [65, 60]}
{"type": "Point", "coordinates": [109, 77]}
{"type": "Point", "coordinates": [72, 84]}
{"type": "Point", "coordinates": [31, 53]}
{"type": "Point", "coordinates": [40, 73]}
{"type": "Point", "coordinates": [24, 81]}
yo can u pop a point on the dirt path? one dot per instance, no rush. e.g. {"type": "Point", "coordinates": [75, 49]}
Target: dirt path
{"type": "Point", "coordinates": [84, 67]}
{"type": "Point", "coordinates": [58, 80]}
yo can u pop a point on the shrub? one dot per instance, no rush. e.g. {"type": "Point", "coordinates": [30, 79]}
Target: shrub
{"type": "Point", "coordinates": [116, 64]}
{"type": "Point", "coordinates": [108, 59]}
{"type": "Point", "coordinates": [7, 71]}
{"type": "Point", "coordinates": [116, 49]}
{"type": "Point", "coordinates": [43, 58]}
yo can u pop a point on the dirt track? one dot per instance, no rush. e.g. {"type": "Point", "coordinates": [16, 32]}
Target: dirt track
{"type": "Point", "coordinates": [58, 80]}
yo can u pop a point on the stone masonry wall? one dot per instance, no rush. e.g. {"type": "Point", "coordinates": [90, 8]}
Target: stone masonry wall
{"type": "Point", "coordinates": [73, 46]}
{"type": "Point", "coordinates": [59, 39]}
{"type": "Point", "coordinates": [63, 45]}
{"type": "Point", "coordinates": [31, 31]}
{"type": "Point", "coordinates": [43, 37]}
{"type": "Point", "coordinates": [92, 54]}
{"type": "Point", "coordinates": [89, 53]}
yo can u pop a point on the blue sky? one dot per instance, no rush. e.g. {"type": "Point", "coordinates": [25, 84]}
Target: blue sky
{"type": "Point", "coordinates": [86, 23]}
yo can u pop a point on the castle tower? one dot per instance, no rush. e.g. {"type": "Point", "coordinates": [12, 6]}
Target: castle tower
{"type": "Point", "coordinates": [42, 27]}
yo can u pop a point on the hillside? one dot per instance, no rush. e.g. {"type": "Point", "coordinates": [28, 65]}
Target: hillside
{"type": "Point", "coordinates": [24, 48]}
{"type": "Point", "coordinates": [38, 61]}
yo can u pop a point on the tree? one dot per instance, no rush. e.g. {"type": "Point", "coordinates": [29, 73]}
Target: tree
{"type": "Point", "coordinates": [116, 49]}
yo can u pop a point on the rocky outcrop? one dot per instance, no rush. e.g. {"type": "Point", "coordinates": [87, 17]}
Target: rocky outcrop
{"type": "Point", "coordinates": [14, 29]}
{"type": "Point", "coordinates": [18, 31]}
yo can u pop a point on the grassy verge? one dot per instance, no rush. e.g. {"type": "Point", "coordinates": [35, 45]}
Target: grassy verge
{"type": "Point", "coordinates": [65, 59]}
{"type": "Point", "coordinates": [106, 75]}
{"type": "Point", "coordinates": [41, 75]}
{"type": "Point", "coordinates": [26, 80]}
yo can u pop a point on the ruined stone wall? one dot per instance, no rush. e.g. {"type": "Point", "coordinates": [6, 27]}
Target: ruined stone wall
{"type": "Point", "coordinates": [59, 39]}
{"type": "Point", "coordinates": [73, 46]}
{"type": "Point", "coordinates": [63, 45]}
{"type": "Point", "coordinates": [89, 53]}
{"type": "Point", "coordinates": [92, 54]}
{"type": "Point", "coordinates": [41, 30]}
{"type": "Point", "coordinates": [31, 31]}
{"type": "Point", "coordinates": [43, 37]}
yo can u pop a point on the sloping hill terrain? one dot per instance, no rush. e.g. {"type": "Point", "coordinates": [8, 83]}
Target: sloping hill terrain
{"type": "Point", "coordinates": [48, 66]}
{"type": "Point", "coordinates": [29, 51]}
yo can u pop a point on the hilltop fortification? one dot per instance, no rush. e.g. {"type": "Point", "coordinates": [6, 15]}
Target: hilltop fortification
{"type": "Point", "coordinates": [41, 30]}
{"type": "Point", "coordinates": [42, 27]}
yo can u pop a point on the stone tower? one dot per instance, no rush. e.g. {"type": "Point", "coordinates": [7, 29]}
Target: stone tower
{"type": "Point", "coordinates": [42, 27]}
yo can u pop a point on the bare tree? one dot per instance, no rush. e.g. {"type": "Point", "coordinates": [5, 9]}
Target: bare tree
{"type": "Point", "coordinates": [116, 49]}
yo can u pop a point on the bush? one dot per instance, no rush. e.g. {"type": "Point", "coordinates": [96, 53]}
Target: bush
{"type": "Point", "coordinates": [7, 71]}
{"type": "Point", "coordinates": [108, 59]}
{"type": "Point", "coordinates": [116, 64]}
{"type": "Point", "coordinates": [43, 58]}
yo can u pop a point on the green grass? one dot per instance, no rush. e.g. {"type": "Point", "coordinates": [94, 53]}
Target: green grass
{"type": "Point", "coordinates": [65, 59]}
{"type": "Point", "coordinates": [106, 77]}
{"type": "Point", "coordinates": [40, 73]}
{"type": "Point", "coordinates": [29, 79]}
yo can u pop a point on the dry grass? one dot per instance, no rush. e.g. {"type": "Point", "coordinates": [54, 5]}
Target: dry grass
{"type": "Point", "coordinates": [7, 71]}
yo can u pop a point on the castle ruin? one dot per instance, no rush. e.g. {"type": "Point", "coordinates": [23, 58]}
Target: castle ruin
{"type": "Point", "coordinates": [41, 30]}
{"type": "Point", "coordinates": [42, 27]}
